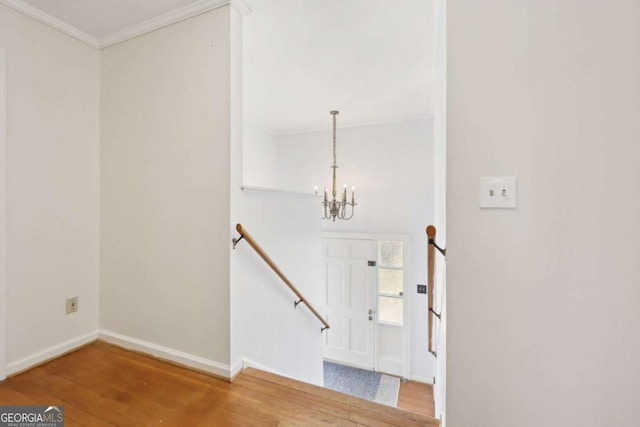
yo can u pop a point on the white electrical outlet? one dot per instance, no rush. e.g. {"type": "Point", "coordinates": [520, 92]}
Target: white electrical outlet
{"type": "Point", "coordinates": [72, 305]}
{"type": "Point", "coordinates": [498, 192]}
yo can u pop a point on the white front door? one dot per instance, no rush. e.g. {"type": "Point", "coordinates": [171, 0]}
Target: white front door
{"type": "Point", "coordinates": [350, 301]}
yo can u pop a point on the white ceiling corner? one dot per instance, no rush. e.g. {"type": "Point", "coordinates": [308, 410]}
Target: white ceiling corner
{"type": "Point", "coordinates": [161, 21]}
{"type": "Point", "coordinates": [101, 24]}
{"type": "Point", "coordinates": [51, 21]}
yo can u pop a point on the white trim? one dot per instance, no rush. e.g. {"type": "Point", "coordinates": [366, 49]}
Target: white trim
{"type": "Point", "coordinates": [162, 21]}
{"type": "Point", "coordinates": [3, 214]}
{"type": "Point", "coordinates": [50, 353]}
{"type": "Point", "coordinates": [424, 380]}
{"type": "Point", "coordinates": [357, 125]}
{"type": "Point", "coordinates": [276, 190]}
{"type": "Point", "coordinates": [261, 128]}
{"type": "Point", "coordinates": [139, 29]}
{"type": "Point", "coordinates": [49, 20]}
{"type": "Point", "coordinates": [242, 7]}
{"type": "Point", "coordinates": [176, 356]}
{"type": "Point", "coordinates": [236, 368]}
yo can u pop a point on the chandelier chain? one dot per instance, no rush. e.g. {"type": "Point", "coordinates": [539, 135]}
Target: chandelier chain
{"type": "Point", "coordinates": [334, 140]}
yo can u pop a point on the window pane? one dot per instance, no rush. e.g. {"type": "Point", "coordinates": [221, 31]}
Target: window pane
{"type": "Point", "coordinates": [390, 281]}
{"type": "Point", "coordinates": [390, 309]}
{"type": "Point", "coordinates": [390, 253]}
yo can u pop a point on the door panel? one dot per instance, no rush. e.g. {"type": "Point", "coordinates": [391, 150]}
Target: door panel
{"type": "Point", "coordinates": [350, 294]}
{"type": "Point", "coordinates": [358, 288]}
{"type": "Point", "coordinates": [335, 339]}
{"type": "Point", "coordinates": [335, 284]}
{"type": "Point", "coordinates": [358, 336]}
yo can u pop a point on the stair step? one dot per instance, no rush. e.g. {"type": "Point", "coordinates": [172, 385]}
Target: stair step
{"type": "Point", "coordinates": [350, 408]}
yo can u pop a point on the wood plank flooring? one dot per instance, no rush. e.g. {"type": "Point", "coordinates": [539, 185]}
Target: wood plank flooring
{"type": "Point", "coordinates": [102, 385]}
{"type": "Point", "coordinates": [417, 397]}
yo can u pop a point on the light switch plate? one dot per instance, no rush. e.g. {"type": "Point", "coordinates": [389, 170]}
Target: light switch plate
{"type": "Point", "coordinates": [498, 192]}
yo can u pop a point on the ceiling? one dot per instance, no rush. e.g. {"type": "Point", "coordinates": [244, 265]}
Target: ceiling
{"type": "Point", "coordinates": [371, 59]}
{"type": "Point", "coordinates": [100, 18]}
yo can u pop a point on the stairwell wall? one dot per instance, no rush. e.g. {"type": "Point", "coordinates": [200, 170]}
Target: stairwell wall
{"type": "Point", "coordinates": [266, 330]}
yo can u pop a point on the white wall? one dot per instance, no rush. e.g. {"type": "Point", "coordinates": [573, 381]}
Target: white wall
{"type": "Point", "coordinates": [440, 204]}
{"type": "Point", "coordinates": [53, 186]}
{"type": "Point", "coordinates": [266, 330]}
{"type": "Point", "coordinates": [265, 327]}
{"type": "Point", "coordinates": [391, 166]}
{"type": "Point", "coordinates": [165, 187]}
{"type": "Point", "coordinates": [3, 214]}
{"type": "Point", "coordinates": [543, 300]}
{"type": "Point", "coordinates": [259, 153]}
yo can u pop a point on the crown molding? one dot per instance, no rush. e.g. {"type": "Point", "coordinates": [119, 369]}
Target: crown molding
{"type": "Point", "coordinates": [169, 18]}
{"type": "Point", "coordinates": [49, 20]}
{"type": "Point", "coordinates": [242, 7]}
{"type": "Point", "coordinates": [261, 128]}
{"type": "Point", "coordinates": [356, 125]}
{"type": "Point", "coordinates": [144, 27]}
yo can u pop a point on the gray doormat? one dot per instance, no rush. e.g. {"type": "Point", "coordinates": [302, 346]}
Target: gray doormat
{"type": "Point", "coordinates": [356, 382]}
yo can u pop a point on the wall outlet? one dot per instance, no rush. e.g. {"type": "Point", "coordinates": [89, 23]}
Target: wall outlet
{"type": "Point", "coordinates": [422, 289]}
{"type": "Point", "coordinates": [72, 305]}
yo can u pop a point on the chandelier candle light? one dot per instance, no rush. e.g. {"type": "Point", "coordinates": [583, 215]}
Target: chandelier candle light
{"type": "Point", "coordinates": [336, 208]}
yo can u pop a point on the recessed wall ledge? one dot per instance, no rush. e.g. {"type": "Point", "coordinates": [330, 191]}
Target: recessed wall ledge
{"type": "Point", "coordinates": [278, 190]}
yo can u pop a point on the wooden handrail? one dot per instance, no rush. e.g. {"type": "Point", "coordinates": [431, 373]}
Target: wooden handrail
{"type": "Point", "coordinates": [431, 234]}
{"type": "Point", "coordinates": [244, 234]}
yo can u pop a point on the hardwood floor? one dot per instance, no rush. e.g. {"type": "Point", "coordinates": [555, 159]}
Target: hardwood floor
{"type": "Point", "coordinates": [101, 385]}
{"type": "Point", "coordinates": [417, 397]}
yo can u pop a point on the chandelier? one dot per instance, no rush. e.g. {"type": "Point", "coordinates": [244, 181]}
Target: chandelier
{"type": "Point", "coordinates": [336, 208]}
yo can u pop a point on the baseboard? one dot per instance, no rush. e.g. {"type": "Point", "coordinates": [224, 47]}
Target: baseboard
{"type": "Point", "coordinates": [50, 353]}
{"type": "Point", "coordinates": [179, 357]}
{"type": "Point", "coordinates": [425, 380]}
{"type": "Point", "coordinates": [236, 369]}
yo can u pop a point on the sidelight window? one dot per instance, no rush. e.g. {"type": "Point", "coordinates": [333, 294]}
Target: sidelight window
{"type": "Point", "coordinates": [390, 282]}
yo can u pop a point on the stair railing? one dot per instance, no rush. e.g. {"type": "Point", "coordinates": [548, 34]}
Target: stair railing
{"type": "Point", "coordinates": [244, 234]}
{"type": "Point", "coordinates": [431, 250]}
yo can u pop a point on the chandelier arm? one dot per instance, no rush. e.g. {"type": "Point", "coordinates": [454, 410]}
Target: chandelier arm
{"type": "Point", "coordinates": [353, 209]}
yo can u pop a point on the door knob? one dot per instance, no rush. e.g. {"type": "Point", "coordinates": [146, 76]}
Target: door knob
{"type": "Point", "coordinates": [371, 311]}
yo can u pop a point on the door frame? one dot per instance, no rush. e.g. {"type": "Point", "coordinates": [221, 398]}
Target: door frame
{"type": "Point", "coordinates": [3, 214]}
{"type": "Point", "coordinates": [407, 295]}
